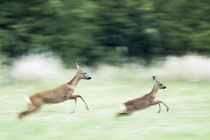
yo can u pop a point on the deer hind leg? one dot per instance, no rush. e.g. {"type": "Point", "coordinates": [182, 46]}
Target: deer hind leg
{"type": "Point", "coordinates": [31, 109]}
{"type": "Point", "coordinates": [122, 114]}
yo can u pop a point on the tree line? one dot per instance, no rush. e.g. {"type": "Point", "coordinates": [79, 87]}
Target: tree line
{"type": "Point", "coordinates": [91, 31]}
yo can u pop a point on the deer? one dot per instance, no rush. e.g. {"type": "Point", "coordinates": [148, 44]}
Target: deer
{"type": "Point", "coordinates": [145, 101]}
{"type": "Point", "coordinates": [59, 94]}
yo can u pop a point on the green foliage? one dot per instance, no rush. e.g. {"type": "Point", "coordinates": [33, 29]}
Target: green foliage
{"type": "Point", "coordinates": [93, 31]}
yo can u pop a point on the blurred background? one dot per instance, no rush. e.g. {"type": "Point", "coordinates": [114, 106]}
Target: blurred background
{"type": "Point", "coordinates": [104, 31]}
{"type": "Point", "coordinates": [121, 44]}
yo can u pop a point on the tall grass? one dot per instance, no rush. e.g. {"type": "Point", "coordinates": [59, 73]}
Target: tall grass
{"type": "Point", "coordinates": [37, 66]}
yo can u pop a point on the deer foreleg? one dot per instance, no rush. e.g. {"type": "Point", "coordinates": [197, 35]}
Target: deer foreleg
{"type": "Point", "coordinates": [75, 100]}
{"type": "Point", "coordinates": [159, 108]}
{"type": "Point", "coordinates": [159, 102]}
{"type": "Point", "coordinates": [78, 96]}
{"type": "Point", "coordinates": [165, 105]}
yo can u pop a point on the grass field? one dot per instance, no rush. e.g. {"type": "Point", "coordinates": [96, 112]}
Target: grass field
{"type": "Point", "coordinates": [188, 118]}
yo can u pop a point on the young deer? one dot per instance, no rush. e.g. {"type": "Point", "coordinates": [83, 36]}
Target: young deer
{"type": "Point", "coordinates": [59, 94]}
{"type": "Point", "coordinates": [144, 101]}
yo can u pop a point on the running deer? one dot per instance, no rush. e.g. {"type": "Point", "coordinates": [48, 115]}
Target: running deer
{"type": "Point", "coordinates": [143, 102]}
{"type": "Point", "coordinates": [56, 95]}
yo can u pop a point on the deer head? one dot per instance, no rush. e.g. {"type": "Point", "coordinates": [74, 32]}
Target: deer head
{"type": "Point", "coordinates": [158, 83]}
{"type": "Point", "coordinates": [83, 74]}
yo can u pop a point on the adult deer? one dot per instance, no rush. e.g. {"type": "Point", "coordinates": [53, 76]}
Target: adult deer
{"type": "Point", "coordinates": [56, 95]}
{"type": "Point", "coordinates": [143, 102]}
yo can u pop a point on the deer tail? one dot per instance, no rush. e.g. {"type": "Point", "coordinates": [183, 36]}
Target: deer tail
{"type": "Point", "coordinates": [123, 108]}
{"type": "Point", "coordinates": [28, 101]}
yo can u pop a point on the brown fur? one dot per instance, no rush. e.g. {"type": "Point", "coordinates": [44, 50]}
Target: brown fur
{"type": "Point", "coordinates": [144, 101]}
{"type": "Point", "coordinates": [56, 95]}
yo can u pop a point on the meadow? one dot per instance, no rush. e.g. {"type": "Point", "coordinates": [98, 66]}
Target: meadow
{"type": "Point", "coordinates": [187, 119]}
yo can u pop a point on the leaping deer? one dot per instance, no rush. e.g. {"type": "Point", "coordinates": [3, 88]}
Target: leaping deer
{"type": "Point", "coordinates": [59, 94]}
{"type": "Point", "coordinates": [143, 102]}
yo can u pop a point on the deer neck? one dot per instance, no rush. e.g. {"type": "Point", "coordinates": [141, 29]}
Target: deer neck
{"type": "Point", "coordinates": [154, 90]}
{"type": "Point", "coordinates": [75, 80]}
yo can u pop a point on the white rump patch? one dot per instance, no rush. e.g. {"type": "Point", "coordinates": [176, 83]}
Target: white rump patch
{"type": "Point", "coordinates": [123, 107]}
{"type": "Point", "coordinates": [27, 99]}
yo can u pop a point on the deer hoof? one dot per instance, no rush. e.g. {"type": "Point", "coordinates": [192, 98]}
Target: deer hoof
{"type": "Point", "coordinates": [20, 116]}
{"type": "Point", "coordinates": [167, 109]}
{"type": "Point", "coordinates": [72, 112]}
{"type": "Point", "coordinates": [87, 107]}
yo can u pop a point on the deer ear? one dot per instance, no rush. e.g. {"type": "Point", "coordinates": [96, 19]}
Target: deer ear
{"type": "Point", "coordinates": [154, 78]}
{"type": "Point", "coordinates": [77, 66]}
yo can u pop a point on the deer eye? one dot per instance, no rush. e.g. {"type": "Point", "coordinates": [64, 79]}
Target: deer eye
{"type": "Point", "coordinates": [85, 73]}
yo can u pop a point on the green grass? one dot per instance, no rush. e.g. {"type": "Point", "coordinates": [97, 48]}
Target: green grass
{"type": "Point", "coordinates": [188, 118]}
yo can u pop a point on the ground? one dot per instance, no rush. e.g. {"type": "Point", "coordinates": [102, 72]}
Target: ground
{"type": "Point", "coordinates": [188, 118]}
